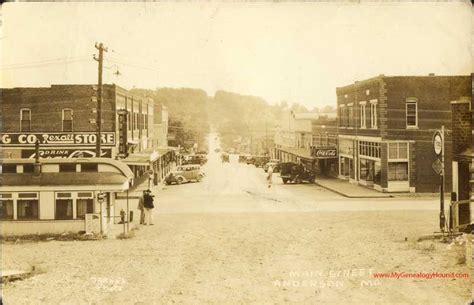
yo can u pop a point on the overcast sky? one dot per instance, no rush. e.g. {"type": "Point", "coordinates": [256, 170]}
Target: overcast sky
{"type": "Point", "coordinates": [298, 52]}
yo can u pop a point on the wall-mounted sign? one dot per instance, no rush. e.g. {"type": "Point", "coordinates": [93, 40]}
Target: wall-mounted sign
{"type": "Point", "coordinates": [324, 153]}
{"type": "Point", "coordinates": [56, 139]}
{"type": "Point", "coordinates": [64, 153]}
{"type": "Point", "coordinates": [123, 128]}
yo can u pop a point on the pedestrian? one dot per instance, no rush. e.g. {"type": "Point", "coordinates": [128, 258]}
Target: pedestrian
{"type": "Point", "coordinates": [148, 204]}
{"type": "Point", "coordinates": [141, 207]}
{"type": "Point", "coordinates": [270, 175]}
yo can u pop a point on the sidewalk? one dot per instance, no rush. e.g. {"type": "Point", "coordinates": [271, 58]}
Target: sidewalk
{"type": "Point", "coordinates": [349, 190]}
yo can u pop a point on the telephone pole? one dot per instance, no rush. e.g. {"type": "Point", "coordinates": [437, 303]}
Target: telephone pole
{"type": "Point", "coordinates": [99, 59]}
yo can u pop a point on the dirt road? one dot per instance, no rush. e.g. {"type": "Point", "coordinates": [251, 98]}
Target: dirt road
{"type": "Point", "coordinates": [232, 240]}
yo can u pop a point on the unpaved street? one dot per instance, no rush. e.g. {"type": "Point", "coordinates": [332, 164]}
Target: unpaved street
{"type": "Point", "coordinates": [232, 240]}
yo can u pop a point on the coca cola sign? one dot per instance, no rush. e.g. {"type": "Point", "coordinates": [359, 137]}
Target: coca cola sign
{"type": "Point", "coordinates": [323, 153]}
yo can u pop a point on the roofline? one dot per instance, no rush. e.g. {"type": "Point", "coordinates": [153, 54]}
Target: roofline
{"type": "Point", "coordinates": [124, 169]}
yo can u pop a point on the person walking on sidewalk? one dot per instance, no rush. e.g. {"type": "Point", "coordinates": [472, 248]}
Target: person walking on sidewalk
{"type": "Point", "coordinates": [141, 207]}
{"type": "Point", "coordinates": [148, 204]}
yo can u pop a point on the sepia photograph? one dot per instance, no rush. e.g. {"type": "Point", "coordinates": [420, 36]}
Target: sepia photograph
{"type": "Point", "coordinates": [236, 152]}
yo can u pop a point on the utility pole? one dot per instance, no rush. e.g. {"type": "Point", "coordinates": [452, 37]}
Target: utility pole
{"type": "Point", "coordinates": [442, 217]}
{"type": "Point", "coordinates": [100, 59]}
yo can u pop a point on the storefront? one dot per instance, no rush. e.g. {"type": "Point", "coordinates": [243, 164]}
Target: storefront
{"type": "Point", "coordinates": [60, 195]}
{"type": "Point", "coordinates": [383, 165]}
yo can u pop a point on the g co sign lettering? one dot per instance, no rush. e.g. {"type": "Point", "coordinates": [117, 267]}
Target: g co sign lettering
{"type": "Point", "coordinates": [56, 139]}
{"type": "Point", "coordinates": [322, 153]}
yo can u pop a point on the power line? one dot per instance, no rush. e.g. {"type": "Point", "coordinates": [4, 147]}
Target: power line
{"type": "Point", "coordinates": [45, 62]}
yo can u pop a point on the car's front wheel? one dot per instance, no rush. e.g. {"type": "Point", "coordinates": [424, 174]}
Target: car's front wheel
{"type": "Point", "coordinates": [180, 180]}
{"type": "Point", "coordinates": [199, 178]}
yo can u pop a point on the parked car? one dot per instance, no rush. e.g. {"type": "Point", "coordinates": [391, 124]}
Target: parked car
{"type": "Point", "coordinates": [185, 173]}
{"type": "Point", "coordinates": [292, 172]}
{"type": "Point", "coordinates": [243, 158]}
{"type": "Point", "coordinates": [225, 157]}
{"type": "Point", "coordinates": [260, 161]}
{"type": "Point", "coordinates": [195, 159]}
{"type": "Point", "coordinates": [249, 160]}
{"type": "Point", "coordinates": [274, 163]}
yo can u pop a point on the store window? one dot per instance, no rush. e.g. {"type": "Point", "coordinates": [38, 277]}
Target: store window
{"type": "Point", "coordinates": [412, 113]}
{"type": "Point", "coordinates": [67, 119]}
{"type": "Point", "coordinates": [84, 204]}
{"type": "Point", "coordinates": [369, 149]}
{"type": "Point", "coordinates": [63, 206]}
{"type": "Point", "coordinates": [25, 119]}
{"type": "Point", "coordinates": [6, 209]}
{"type": "Point", "coordinates": [367, 170]}
{"type": "Point", "coordinates": [398, 150]}
{"type": "Point", "coordinates": [398, 171]}
{"type": "Point", "coordinates": [27, 206]}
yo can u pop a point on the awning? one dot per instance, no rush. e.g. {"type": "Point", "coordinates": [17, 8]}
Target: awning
{"type": "Point", "coordinates": [104, 181]}
{"type": "Point", "coordinates": [142, 158]}
{"type": "Point", "coordinates": [304, 153]}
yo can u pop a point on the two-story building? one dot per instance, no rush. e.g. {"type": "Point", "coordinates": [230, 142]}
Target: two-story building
{"type": "Point", "coordinates": [385, 130]}
{"type": "Point", "coordinates": [309, 138]}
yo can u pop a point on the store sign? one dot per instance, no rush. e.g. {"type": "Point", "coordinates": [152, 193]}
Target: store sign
{"type": "Point", "coordinates": [123, 128]}
{"type": "Point", "coordinates": [64, 153]}
{"type": "Point", "coordinates": [56, 139]}
{"type": "Point", "coordinates": [324, 153]}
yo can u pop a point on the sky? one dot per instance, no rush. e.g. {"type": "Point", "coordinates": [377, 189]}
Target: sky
{"type": "Point", "coordinates": [294, 52]}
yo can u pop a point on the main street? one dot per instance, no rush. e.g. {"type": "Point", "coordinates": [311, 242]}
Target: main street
{"type": "Point", "coordinates": [232, 240]}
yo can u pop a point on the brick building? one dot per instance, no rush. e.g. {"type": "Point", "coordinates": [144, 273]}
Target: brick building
{"type": "Point", "coordinates": [462, 163]}
{"type": "Point", "coordinates": [385, 130]}
{"type": "Point", "coordinates": [310, 138]}
{"type": "Point", "coordinates": [63, 118]}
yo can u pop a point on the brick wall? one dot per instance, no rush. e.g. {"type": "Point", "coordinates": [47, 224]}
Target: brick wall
{"type": "Point", "coordinates": [461, 126]}
{"type": "Point", "coordinates": [46, 106]}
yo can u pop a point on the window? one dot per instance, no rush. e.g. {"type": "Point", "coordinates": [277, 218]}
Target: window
{"type": "Point", "coordinates": [28, 168]}
{"type": "Point", "coordinates": [84, 206]}
{"type": "Point", "coordinates": [25, 119]}
{"type": "Point", "coordinates": [373, 114]}
{"type": "Point", "coordinates": [398, 171]}
{"type": "Point", "coordinates": [67, 168]}
{"type": "Point", "coordinates": [63, 209]}
{"type": "Point", "coordinates": [397, 151]}
{"type": "Point", "coordinates": [27, 209]}
{"type": "Point", "coordinates": [412, 113]}
{"type": "Point", "coordinates": [351, 116]}
{"type": "Point", "coordinates": [67, 119]}
{"type": "Point", "coordinates": [6, 209]}
{"type": "Point", "coordinates": [369, 149]}
{"type": "Point", "coordinates": [362, 115]}
{"type": "Point", "coordinates": [8, 168]}
{"type": "Point", "coordinates": [89, 167]}
{"type": "Point", "coordinates": [343, 116]}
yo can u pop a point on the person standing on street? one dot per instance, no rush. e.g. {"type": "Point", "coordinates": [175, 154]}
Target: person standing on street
{"type": "Point", "coordinates": [270, 176]}
{"type": "Point", "coordinates": [141, 207]}
{"type": "Point", "coordinates": [148, 203]}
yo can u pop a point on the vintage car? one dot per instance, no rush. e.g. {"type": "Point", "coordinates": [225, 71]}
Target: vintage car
{"type": "Point", "coordinates": [260, 161]}
{"type": "Point", "coordinates": [195, 159]}
{"type": "Point", "coordinates": [274, 163]}
{"type": "Point", "coordinates": [243, 158]}
{"type": "Point", "coordinates": [185, 173]}
{"type": "Point", "coordinates": [291, 172]}
{"type": "Point", "coordinates": [225, 157]}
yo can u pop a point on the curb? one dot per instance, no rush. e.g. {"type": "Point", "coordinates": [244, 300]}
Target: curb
{"type": "Point", "coordinates": [351, 196]}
